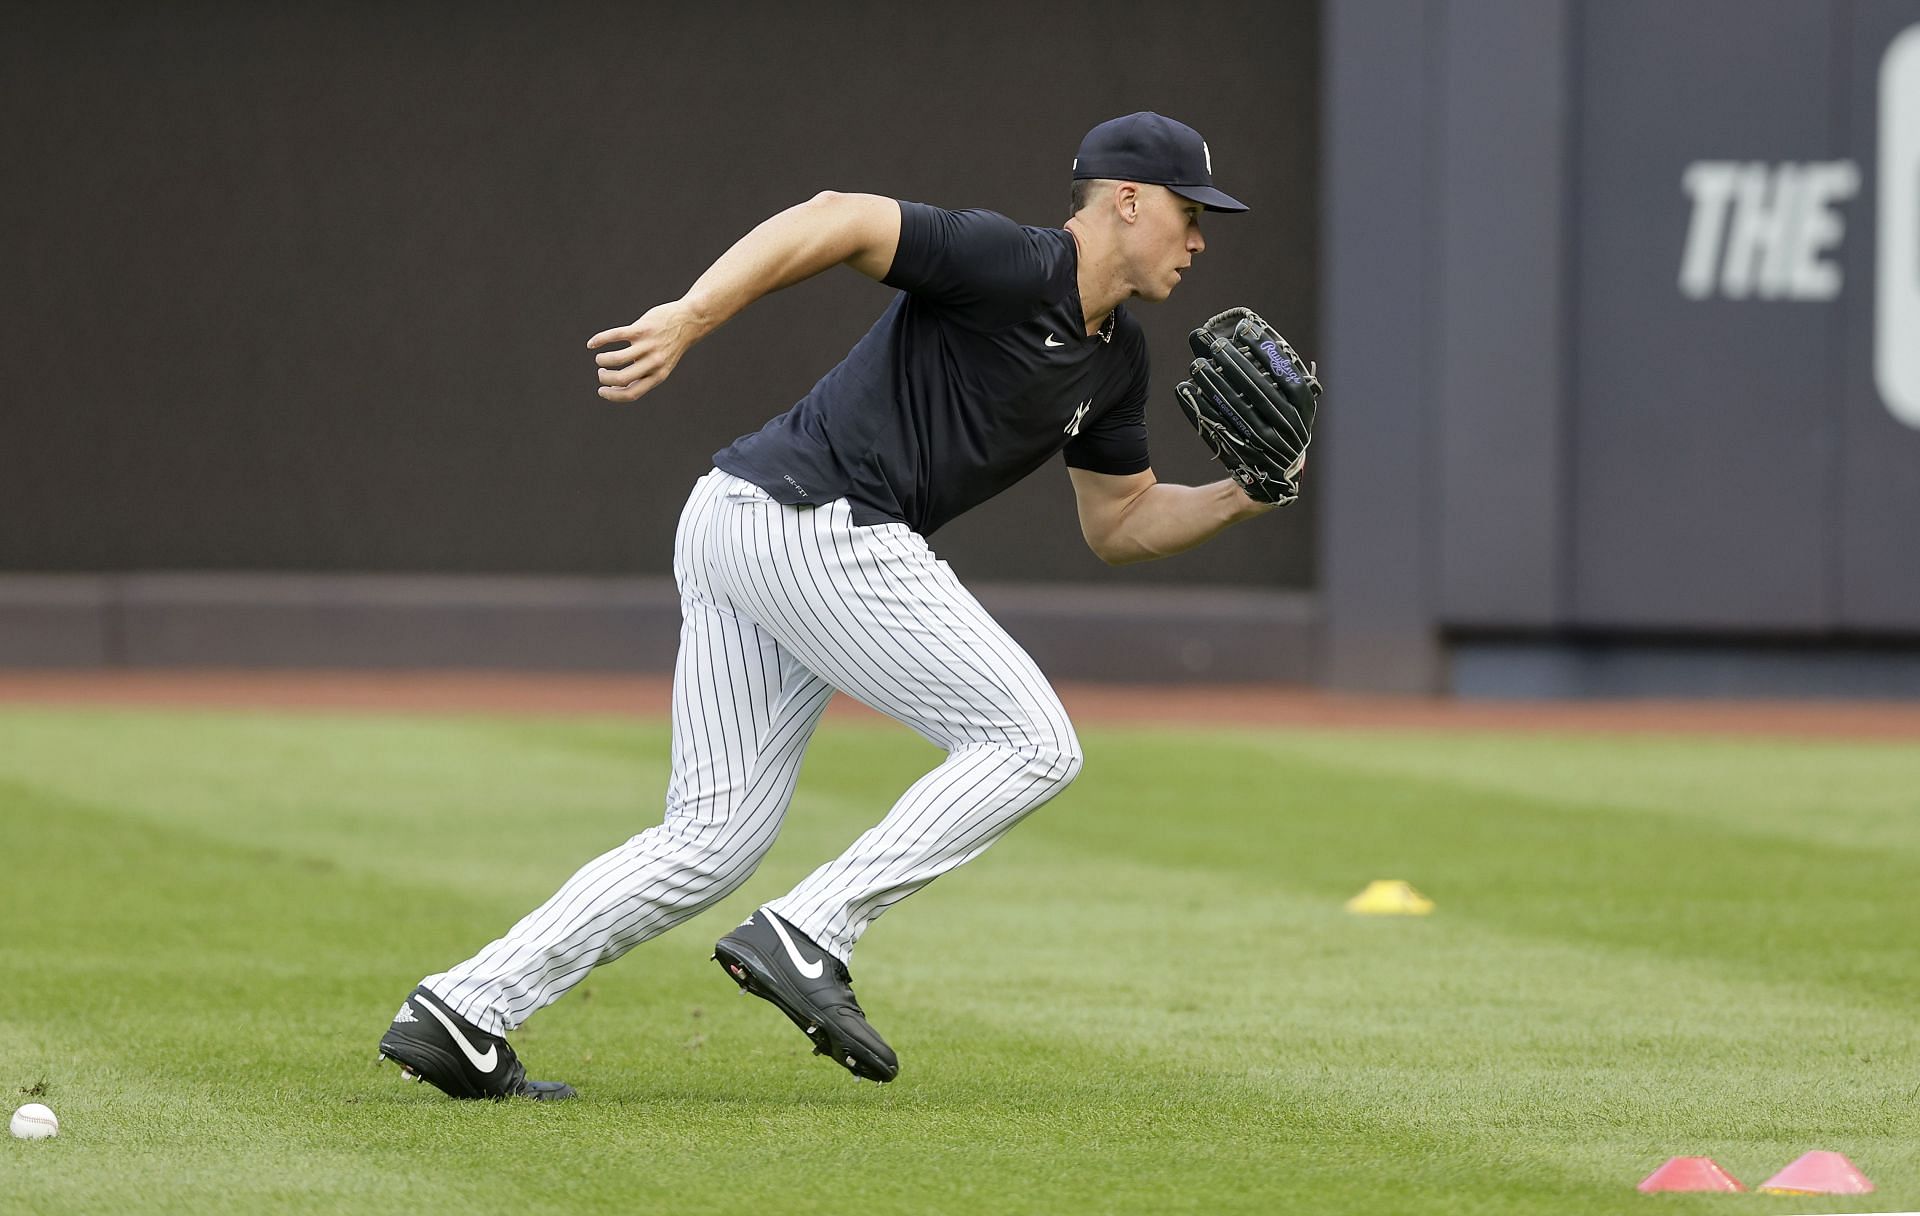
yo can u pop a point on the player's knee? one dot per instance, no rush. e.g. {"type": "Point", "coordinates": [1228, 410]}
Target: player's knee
{"type": "Point", "coordinates": [1060, 760]}
{"type": "Point", "coordinates": [1071, 761]}
{"type": "Point", "coordinates": [1044, 743]}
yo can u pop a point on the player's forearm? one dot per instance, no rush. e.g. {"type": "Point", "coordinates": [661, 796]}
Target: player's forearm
{"type": "Point", "coordinates": [796, 244]}
{"type": "Point", "coordinates": [1167, 519]}
{"type": "Point", "coordinates": [862, 230]}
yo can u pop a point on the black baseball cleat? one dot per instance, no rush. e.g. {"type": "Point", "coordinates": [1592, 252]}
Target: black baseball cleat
{"type": "Point", "coordinates": [775, 961]}
{"type": "Point", "coordinates": [432, 1043]}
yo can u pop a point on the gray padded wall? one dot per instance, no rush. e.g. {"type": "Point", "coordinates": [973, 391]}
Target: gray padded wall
{"type": "Point", "coordinates": [1501, 126]}
{"type": "Point", "coordinates": [1704, 479]}
{"type": "Point", "coordinates": [1564, 408]}
{"type": "Point", "coordinates": [1736, 467]}
{"type": "Point", "coordinates": [1378, 281]}
{"type": "Point", "coordinates": [1444, 280]}
{"type": "Point", "coordinates": [1879, 467]}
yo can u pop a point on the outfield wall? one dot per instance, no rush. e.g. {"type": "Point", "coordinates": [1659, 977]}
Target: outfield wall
{"type": "Point", "coordinates": [1618, 303]}
{"type": "Point", "coordinates": [307, 288]}
{"type": "Point", "coordinates": [1622, 316]}
{"type": "Point", "coordinates": [316, 621]}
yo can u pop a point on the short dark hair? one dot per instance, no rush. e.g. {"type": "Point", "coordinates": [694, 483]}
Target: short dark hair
{"type": "Point", "coordinates": [1083, 188]}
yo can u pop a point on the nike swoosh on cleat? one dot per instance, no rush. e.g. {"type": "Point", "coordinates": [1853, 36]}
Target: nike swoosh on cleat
{"type": "Point", "coordinates": [1052, 341]}
{"type": "Point", "coordinates": [810, 970]}
{"type": "Point", "coordinates": [482, 1062]}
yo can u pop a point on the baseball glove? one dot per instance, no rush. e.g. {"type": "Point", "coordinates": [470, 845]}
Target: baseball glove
{"type": "Point", "coordinates": [1252, 398]}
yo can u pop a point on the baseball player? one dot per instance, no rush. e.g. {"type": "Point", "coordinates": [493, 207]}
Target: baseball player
{"type": "Point", "coordinates": [803, 567]}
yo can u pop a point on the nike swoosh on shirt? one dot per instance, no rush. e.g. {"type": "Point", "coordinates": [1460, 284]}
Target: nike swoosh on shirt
{"type": "Point", "coordinates": [810, 970]}
{"type": "Point", "coordinates": [482, 1062]}
{"type": "Point", "coordinates": [1052, 341]}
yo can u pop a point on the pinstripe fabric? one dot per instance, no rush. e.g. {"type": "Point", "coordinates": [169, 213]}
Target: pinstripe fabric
{"type": "Point", "coordinates": [781, 606]}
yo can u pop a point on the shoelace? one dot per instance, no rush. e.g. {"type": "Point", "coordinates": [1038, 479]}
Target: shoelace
{"type": "Point", "coordinates": [846, 978]}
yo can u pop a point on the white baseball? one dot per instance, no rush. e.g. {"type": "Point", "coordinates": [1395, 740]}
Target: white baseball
{"type": "Point", "coordinates": [34, 1122]}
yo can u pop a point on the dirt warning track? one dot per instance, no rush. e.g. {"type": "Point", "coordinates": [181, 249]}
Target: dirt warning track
{"type": "Point", "coordinates": [1231, 704]}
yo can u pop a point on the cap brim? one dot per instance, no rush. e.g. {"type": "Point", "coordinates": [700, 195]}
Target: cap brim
{"type": "Point", "coordinates": [1211, 199]}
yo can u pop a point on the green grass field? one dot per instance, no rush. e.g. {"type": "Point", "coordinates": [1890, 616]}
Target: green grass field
{"type": "Point", "coordinates": [1147, 999]}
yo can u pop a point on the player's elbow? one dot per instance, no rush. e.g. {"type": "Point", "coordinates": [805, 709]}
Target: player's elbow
{"type": "Point", "coordinates": [1115, 548]}
{"type": "Point", "coordinates": [1117, 555]}
{"type": "Point", "coordinates": [1103, 537]}
{"type": "Point", "coordinates": [1110, 520]}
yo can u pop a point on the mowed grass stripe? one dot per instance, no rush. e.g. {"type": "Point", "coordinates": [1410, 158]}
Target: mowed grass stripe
{"type": "Point", "coordinates": [455, 801]}
{"type": "Point", "coordinates": [227, 1083]}
{"type": "Point", "coordinates": [1452, 1016]}
{"type": "Point", "coordinates": [1104, 1030]}
{"type": "Point", "coordinates": [1843, 793]}
{"type": "Point", "coordinates": [1763, 903]}
{"type": "Point", "coordinates": [479, 803]}
{"type": "Point", "coordinates": [1312, 1121]}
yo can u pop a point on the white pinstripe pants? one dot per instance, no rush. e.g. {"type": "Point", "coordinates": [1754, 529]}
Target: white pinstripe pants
{"type": "Point", "coordinates": [781, 606]}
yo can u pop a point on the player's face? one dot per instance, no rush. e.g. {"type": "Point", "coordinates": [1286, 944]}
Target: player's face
{"type": "Point", "coordinates": [1167, 236]}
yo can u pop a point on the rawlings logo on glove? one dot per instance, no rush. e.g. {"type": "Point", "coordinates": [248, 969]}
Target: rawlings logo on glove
{"type": "Point", "coordinates": [1252, 399]}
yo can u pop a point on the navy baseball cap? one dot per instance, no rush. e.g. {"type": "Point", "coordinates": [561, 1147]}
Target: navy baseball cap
{"type": "Point", "coordinates": [1152, 148]}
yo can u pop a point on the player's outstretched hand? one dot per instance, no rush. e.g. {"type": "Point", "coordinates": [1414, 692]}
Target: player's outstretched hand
{"type": "Point", "coordinates": [654, 345]}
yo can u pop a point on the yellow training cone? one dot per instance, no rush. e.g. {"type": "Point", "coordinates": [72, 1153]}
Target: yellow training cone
{"type": "Point", "coordinates": [1389, 897]}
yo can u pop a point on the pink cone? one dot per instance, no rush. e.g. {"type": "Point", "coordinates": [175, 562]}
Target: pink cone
{"type": "Point", "coordinates": [1819, 1173]}
{"type": "Point", "coordinates": [1690, 1174]}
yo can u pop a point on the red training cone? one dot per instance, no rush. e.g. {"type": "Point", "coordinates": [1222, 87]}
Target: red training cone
{"type": "Point", "coordinates": [1819, 1173]}
{"type": "Point", "coordinates": [1690, 1174]}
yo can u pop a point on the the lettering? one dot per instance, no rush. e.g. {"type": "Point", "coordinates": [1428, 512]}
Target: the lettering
{"type": "Point", "coordinates": [1762, 231]}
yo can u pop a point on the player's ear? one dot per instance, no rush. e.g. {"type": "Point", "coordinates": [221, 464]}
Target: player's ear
{"type": "Point", "coordinates": [1126, 201]}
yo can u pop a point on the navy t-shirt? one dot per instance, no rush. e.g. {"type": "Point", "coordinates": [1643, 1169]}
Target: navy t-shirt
{"type": "Point", "coordinates": [978, 372]}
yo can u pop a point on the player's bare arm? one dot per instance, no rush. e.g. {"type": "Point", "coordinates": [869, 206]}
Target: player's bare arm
{"type": "Point", "coordinates": [859, 230]}
{"type": "Point", "coordinates": [1136, 518]}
